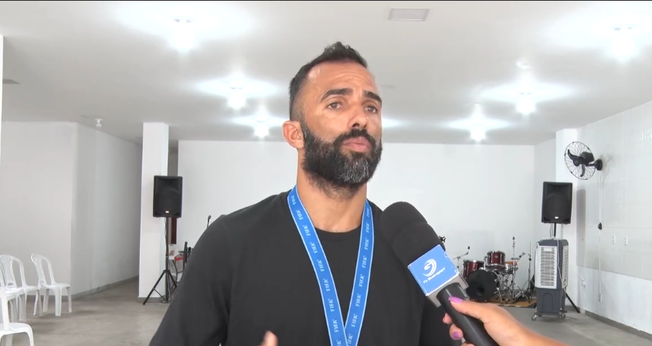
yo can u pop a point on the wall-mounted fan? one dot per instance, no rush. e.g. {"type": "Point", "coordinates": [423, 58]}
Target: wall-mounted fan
{"type": "Point", "coordinates": [580, 161]}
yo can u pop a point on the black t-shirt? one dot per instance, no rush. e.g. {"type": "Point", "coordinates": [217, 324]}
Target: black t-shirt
{"type": "Point", "coordinates": [250, 273]}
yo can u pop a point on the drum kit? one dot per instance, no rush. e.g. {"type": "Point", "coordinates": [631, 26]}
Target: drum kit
{"type": "Point", "coordinates": [494, 277]}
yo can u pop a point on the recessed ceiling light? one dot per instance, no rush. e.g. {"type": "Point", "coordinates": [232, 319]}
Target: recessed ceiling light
{"type": "Point", "coordinates": [478, 134]}
{"type": "Point", "coordinates": [523, 65]}
{"type": "Point", "coordinates": [183, 21]}
{"type": "Point", "coordinates": [408, 14]}
{"type": "Point", "coordinates": [261, 131]}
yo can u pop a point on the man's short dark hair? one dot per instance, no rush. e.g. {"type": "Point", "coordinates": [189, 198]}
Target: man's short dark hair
{"type": "Point", "coordinates": [336, 52]}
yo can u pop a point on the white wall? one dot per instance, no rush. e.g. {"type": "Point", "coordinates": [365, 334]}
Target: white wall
{"type": "Point", "coordinates": [623, 141]}
{"type": "Point", "coordinates": [36, 194]}
{"type": "Point", "coordinates": [614, 271]}
{"type": "Point", "coordinates": [478, 196]}
{"type": "Point", "coordinates": [106, 236]}
{"type": "Point", "coordinates": [544, 170]}
{"type": "Point", "coordinates": [71, 194]}
{"type": "Point", "coordinates": [173, 163]}
{"type": "Point", "coordinates": [2, 40]}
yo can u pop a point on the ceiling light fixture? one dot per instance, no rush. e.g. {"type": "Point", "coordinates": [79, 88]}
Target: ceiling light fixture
{"type": "Point", "coordinates": [408, 14]}
{"type": "Point", "coordinates": [525, 104]}
{"type": "Point", "coordinates": [183, 37]}
{"type": "Point", "coordinates": [237, 99]}
{"type": "Point", "coordinates": [478, 134]}
{"type": "Point", "coordinates": [261, 131]}
{"type": "Point", "coordinates": [478, 124]}
{"type": "Point", "coordinates": [98, 123]}
{"type": "Point", "coordinates": [623, 42]}
{"type": "Point", "coordinates": [523, 65]}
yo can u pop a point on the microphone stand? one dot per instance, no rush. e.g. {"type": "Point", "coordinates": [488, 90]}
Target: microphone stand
{"type": "Point", "coordinates": [208, 222]}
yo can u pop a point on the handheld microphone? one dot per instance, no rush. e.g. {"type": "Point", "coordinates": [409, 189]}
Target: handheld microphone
{"type": "Point", "coordinates": [418, 247]}
{"type": "Point", "coordinates": [208, 222]}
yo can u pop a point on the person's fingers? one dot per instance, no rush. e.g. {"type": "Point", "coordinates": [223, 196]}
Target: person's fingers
{"type": "Point", "coordinates": [269, 340]}
{"type": "Point", "coordinates": [472, 309]}
{"type": "Point", "coordinates": [455, 333]}
{"type": "Point", "coordinates": [447, 319]}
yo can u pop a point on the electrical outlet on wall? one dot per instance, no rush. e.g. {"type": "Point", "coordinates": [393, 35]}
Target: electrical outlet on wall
{"type": "Point", "coordinates": [613, 240]}
{"type": "Point", "coordinates": [626, 241]}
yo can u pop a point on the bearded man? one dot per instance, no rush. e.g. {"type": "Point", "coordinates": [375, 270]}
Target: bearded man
{"type": "Point", "coordinates": [308, 266]}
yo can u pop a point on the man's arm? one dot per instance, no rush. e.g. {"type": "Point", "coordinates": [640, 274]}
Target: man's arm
{"type": "Point", "coordinates": [434, 332]}
{"type": "Point", "coordinates": [199, 312]}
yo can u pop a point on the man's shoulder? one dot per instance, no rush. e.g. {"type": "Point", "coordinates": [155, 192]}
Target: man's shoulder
{"type": "Point", "coordinates": [242, 222]}
{"type": "Point", "coordinates": [375, 208]}
{"type": "Point", "coordinates": [262, 209]}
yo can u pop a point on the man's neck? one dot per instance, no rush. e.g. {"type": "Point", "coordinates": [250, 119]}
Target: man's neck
{"type": "Point", "coordinates": [329, 210]}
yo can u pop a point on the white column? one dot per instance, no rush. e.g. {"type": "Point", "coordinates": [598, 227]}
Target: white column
{"type": "Point", "coordinates": [1, 77]}
{"type": "Point", "coordinates": [152, 230]}
{"type": "Point", "coordinates": [568, 232]}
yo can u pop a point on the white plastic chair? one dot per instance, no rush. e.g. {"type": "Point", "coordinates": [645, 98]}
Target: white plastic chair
{"type": "Point", "coordinates": [7, 328]}
{"type": "Point", "coordinates": [11, 294]}
{"type": "Point", "coordinates": [56, 287]}
{"type": "Point", "coordinates": [7, 264]}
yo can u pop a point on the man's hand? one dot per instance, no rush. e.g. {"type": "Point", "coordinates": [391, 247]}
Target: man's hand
{"type": "Point", "coordinates": [270, 339]}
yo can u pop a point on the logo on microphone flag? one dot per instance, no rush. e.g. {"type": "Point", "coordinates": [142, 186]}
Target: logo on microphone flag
{"type": "Point", "coordinates": [433, 270]}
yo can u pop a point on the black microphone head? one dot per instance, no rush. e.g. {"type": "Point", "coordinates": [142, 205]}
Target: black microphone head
{"type": "Point", "coordinates": [407, 231]}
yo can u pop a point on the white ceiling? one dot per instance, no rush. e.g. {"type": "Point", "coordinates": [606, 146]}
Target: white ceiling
{"type": "Point", "coordinates": [76, 61]}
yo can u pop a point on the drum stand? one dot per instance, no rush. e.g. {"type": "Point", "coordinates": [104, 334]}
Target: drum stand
{"type": "Point", "coordinates": [468, 249]}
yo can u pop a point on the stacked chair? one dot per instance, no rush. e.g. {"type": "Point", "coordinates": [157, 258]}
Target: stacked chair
{"type": "Point", "coordinates": [14, 294]}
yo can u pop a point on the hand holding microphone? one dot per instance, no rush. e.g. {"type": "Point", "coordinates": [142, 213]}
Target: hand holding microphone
{"type": "Point", "coordinates": [500, 325]}
{"type": "Point", "coordinates": [417, 245]}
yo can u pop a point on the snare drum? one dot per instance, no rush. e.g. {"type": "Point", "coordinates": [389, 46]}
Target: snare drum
{"type": "Point", "coordinates": [511, 266]}
{"type": "Point", "coordinates": [495, 259]}
{"type": "Point", "coordinates": [470, 266]}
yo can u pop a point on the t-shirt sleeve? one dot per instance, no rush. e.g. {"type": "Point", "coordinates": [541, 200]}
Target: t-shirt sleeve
{"type": "Point", "coordinates": [199, 310]}
{"type": "Point", "coordinates": [434, 332]}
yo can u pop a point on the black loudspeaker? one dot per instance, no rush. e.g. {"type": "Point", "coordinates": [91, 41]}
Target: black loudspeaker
{"type": "Point", "coordinates": [167, 196]}
{"type": "Point", "coordinates": [557, 202]}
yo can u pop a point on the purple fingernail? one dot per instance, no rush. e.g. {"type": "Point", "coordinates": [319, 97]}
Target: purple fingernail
{"type": "Point", "coordinates": [455, 300]}
{"type": "Point", "coordinates": [456, 335]}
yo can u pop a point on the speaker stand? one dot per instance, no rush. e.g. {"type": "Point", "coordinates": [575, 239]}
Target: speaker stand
{"type": "Point", "coordinates": [554, 232]}
{"type": "Point", "coordinates": [571, 301]}
{"type": "Point", "coordinates": [165, 298]}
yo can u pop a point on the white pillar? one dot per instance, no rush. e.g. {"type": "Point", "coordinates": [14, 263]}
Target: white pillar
{"type": "Point", "coordinates": [152, 230]}
{"type": "Point", "coordinates": [1, 77]}
{"type": "Point", "coordinates": [568, 232]}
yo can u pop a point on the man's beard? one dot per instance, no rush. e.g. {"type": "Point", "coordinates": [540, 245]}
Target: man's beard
{"type": "Point", "coordinates": [337, 171]}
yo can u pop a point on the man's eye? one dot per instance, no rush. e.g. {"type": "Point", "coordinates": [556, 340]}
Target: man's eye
{"type": "Point", "coordinates": [333, 105]}
{"type": "Point", "coordinates": [372, 109]}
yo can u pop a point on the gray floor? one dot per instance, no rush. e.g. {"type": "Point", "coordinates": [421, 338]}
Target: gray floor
{"type": "Point", "coordinates": [113, 317]}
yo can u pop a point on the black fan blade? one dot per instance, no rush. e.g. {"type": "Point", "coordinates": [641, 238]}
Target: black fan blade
{"type": "Point", "coordinates": [574, 158]}
{"type": "Point", "coordinates": [583, 170]}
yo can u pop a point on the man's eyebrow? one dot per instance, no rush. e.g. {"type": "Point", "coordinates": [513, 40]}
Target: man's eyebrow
{"type": "Point", "coordinates": [349, 91]}
{"type": "Point", "coordinates": [341, 91]}
{"type": "Point", "coordinates": [373, 95]}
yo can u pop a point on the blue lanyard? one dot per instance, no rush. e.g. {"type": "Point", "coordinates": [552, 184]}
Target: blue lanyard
{"type": "Point", "coordinates": [340, 334]}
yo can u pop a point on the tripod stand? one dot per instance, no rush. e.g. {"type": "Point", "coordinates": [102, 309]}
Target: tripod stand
{"type": "Point", "coordinates": [169, 279]}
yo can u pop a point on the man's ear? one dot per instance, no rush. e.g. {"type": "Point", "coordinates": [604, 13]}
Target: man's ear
{"type": "Point", "coordinates": [293, 134]}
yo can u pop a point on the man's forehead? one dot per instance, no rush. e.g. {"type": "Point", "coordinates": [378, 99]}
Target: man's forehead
{"type": "Point", "coordinates": [334, 72]}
